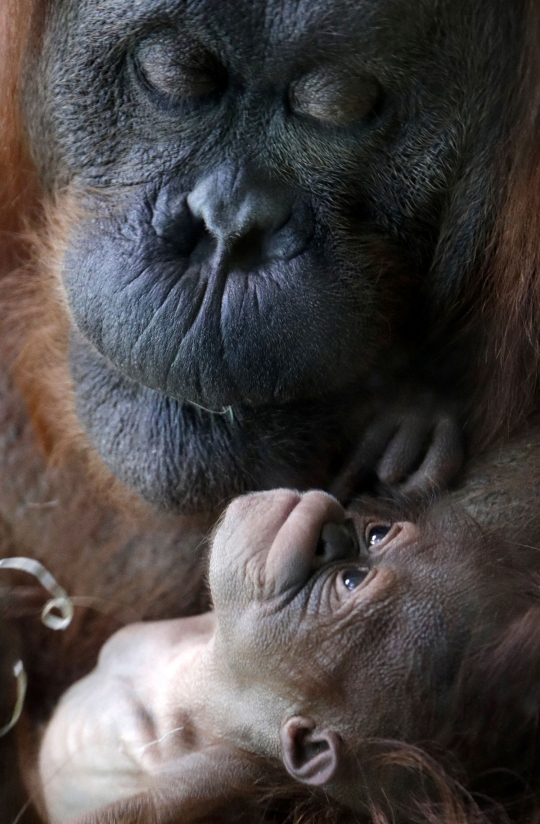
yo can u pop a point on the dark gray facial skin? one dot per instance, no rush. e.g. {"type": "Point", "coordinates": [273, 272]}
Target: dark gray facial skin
{"type": "Point", "coordinates": [262, 191]}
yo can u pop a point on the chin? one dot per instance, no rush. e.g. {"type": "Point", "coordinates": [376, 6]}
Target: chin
{"type": "Point", "coordinates": [185, 458]}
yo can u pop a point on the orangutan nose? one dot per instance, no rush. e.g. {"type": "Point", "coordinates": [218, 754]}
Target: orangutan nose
{"type": "Point", "coordinates": [337, 542]}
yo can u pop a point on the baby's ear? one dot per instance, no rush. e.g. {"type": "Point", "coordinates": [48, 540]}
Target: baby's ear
{"type": "Point", "coordinates": [310, 755]}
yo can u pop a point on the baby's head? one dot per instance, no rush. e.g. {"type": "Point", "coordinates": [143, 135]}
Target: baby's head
{"type": "Point", "coordinates": [365, 651]}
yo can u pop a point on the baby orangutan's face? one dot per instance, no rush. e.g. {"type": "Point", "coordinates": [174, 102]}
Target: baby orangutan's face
{"type": "Point", "coordinates": [338, 624]}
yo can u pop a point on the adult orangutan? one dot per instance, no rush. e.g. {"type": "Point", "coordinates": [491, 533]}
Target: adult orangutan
{"type": "Point", "coordinates": [315, 221]}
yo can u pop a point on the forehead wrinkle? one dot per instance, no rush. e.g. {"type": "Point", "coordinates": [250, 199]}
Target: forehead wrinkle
{"type": "Point", "coordinates": [284, 27]}
{"type": "Point", "coordinates": [314, 31]}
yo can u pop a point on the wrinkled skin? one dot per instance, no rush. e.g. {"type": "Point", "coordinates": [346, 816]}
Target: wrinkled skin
{"type": "Point", "coordinates": [266, 205]}
{"type": "Point", "coordinates": [332, 630]}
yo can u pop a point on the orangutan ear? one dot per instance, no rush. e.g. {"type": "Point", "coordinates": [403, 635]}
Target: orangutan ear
{"type": "Point", "coordinates": [310, 755]}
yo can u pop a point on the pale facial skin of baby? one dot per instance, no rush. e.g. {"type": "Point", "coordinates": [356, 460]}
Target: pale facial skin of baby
{"type": "Point", "coordinates": [297, 588]}
{"type": "Point", "coordinates": [114, 730]}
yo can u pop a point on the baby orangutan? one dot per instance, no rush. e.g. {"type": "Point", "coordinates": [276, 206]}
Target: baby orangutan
{"type": "Point", "coordinates": [336, 638]}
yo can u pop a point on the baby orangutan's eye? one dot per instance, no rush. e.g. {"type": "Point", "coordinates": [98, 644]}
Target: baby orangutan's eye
{"type": "Point", "coordinates": [353, 577]}
{"type": "Point", "coordinates": [376, 533]}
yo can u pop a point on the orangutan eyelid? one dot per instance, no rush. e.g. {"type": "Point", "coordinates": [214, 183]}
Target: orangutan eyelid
{"type": "Point", "coordinates": [162, 71]}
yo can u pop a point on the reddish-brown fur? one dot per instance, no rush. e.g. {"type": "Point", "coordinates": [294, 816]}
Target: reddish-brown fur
{"type": "Point", "coordinates": [18, 188]}
{"type": "Point", "coordinates": [510, 292]}
{"type": "Point", "coordinates": [59, 504]}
